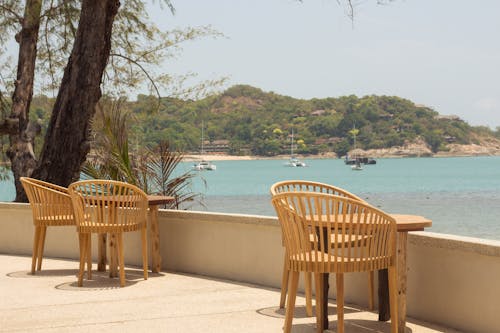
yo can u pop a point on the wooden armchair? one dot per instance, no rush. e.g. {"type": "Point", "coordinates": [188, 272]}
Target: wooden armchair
{"type": "Point", "coordinates": [106, 206]}
{"type": "Point", "coordinates": [315, 187]}
{"type": "Point", "coordinates": [51, 206]}
{"type": "Point", "coordinates": [336, 221]}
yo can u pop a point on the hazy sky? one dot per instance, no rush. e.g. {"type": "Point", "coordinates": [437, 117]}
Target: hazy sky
{"type": "Point", "coordinates": [444, 54]}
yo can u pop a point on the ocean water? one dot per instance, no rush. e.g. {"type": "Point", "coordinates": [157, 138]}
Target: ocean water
{"type": "Point", "coordinates": [461, 195]}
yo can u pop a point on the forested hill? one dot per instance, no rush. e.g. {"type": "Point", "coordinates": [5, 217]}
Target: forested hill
{"type": "Point", "coordinates": [247, 120]}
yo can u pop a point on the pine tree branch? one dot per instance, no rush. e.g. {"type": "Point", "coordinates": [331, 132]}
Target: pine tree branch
{"type": "Point", "coordinates": [7, 9]}
{"type": "Point", "coordinates": [143, 70]}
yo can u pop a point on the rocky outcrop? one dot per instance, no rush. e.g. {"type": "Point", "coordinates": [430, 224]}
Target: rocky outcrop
{"type": "Point", "coordinates": [417, 148]}
{"type": "Point", "coordinates": [491, 148]}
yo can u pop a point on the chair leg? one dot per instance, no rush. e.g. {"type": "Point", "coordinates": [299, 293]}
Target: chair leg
{"type": "Point", "coordinates": [393, 298]}
{"type": "Point", "coordinates": [83, 250]}
{"type": "Point", "coordinates": [41, 246]}
{"type": "Point", "coordinates": [340, 302]}
{"type": "Point", "coordinates": [112, 255]}
{"type": "Point", "coordinates": [308, 289]}
{"type": "Point", "coordinates": [119, 241]}
{"type": "Point", "coordinates": [144, 252]}
{"type": "Point", "coordinates": [371, 290]}
{"type": "Point", "coordinates": [89, 256]}
{"type": "Point", "coordinates": [290, 306]}
{"type": "Point", "coordinates": [101, 252]}
{"type": "Point", "coordinates": [318, 279]}
{"type": "Point", "coordinates": [36, 240]}
{"type": "Point", "coordinates": [284, 282]}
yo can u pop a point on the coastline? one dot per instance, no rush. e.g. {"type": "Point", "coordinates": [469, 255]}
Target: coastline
{"type": "Point", "coordinates": [223, 157]}
{"type": "Point", "coordinates": [418, 148]}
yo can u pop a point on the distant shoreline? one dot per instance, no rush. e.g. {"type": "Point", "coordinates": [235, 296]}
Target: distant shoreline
{"type": "Point", "coordinates": [222, 157]}
{"type": "Point", "coordinates": [225, 157]}
{"type": "Point", "coordinates": [418, 148]}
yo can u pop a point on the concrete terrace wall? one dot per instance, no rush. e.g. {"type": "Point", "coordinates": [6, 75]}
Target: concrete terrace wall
{"type": "Point", "coordinates": [452, 280]}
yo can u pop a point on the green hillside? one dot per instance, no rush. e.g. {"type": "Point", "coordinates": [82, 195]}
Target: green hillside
{"type": "Point", "coordinates": [251, 121]}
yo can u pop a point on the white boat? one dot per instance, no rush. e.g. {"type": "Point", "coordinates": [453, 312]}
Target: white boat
{"type": "Point", "coordinates": [204, 165]}
{"type": "Point", "coordinates": [293, 161]}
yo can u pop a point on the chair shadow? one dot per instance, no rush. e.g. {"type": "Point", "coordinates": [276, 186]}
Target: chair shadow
{"type": "Point", "coordinates": [351, 326]}
{"type": "Point", "coordinates": [71, 272]}
{"type": "Point", "coordinates": [299, 311]}
{"type": "Point", "coordinates": [43, 273]}
{"type": "Point", "coordinates": [102, 281]}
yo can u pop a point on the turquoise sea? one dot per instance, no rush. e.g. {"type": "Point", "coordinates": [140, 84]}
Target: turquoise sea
{"type": "Point", "coordinates": [461, 194]}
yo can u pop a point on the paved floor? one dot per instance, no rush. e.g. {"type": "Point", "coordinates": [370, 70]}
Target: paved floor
{"type": "Point", "coordinates": [168, 302]}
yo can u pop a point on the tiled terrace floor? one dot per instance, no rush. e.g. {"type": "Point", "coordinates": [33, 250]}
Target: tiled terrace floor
{"type": "Point", "coordinates": [166, 302]}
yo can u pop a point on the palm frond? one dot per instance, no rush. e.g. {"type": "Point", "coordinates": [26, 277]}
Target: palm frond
{"type": "Point", "coordinates": [162, 164]}
{"type": "Point", "coordinates": [152, 169]}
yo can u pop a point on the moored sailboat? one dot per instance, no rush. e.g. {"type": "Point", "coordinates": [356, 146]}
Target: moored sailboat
{"type": "Point", "coordinates": [293, 161]}
{"type": "Point", "coordinates": [204, 165]}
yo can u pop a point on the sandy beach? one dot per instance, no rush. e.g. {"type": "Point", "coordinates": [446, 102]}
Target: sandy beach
{"type": "Point", "coordinates": [223, 157]}
{"type": "Point", "coordinates": [192, 158]}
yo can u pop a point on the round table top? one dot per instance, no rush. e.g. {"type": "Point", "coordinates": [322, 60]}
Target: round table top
{"type": "Point", "coordinates": [406, 222]}
{"type": "Point", "coordinates": [159, 199]}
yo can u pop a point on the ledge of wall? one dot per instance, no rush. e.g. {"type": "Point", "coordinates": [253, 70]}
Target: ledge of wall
{"type": "Point", "coordinates": [453, 242]}
{"type": "Point", "coordinates": [200, 216]}
{"type": "Point", "coordinates": [13, 205]}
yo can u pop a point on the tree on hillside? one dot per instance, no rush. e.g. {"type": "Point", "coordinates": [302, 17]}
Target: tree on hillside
{"type": "Point", "coordinates": [353, 133]}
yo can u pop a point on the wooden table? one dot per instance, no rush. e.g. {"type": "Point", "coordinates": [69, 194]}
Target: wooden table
{"type": "Point", "coordinates": [154, 235]}
{"type": "Point", "coordinates": [404, 223]}
{"type": "Point", "coordinates": [154, 201]}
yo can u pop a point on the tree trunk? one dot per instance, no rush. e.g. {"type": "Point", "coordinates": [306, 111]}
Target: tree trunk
{"type": "Point", "coordinates": [21, 150]}
{"type": "Point", "coordinates": [67, 140]}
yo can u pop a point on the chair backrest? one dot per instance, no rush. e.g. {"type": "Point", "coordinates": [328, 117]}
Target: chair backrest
{"type": "Point", "coordinates": [50, 203]}
{"type": "Point", "coordinates": [310, 186]}
{"type": "Point", "coordinates": [104, 205]}
{"type": "Point", "coordinates": [329, 233]}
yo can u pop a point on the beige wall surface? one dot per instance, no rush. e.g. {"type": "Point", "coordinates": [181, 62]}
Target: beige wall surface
{"type": "Point", "coordinates": [454, 280]}
{"type": "Point", "coordinates": [451, 280]}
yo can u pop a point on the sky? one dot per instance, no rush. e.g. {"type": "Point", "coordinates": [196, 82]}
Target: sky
{"type": "Point", "coordinates": [444, 54]}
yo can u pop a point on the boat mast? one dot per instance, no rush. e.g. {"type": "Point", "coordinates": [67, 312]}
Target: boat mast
{"type": "Point", "coordinates": [202, 125]}
{"type": "Point", "coordinates": [354, 134]}
{"type": "Point", "coordinates": [291, 146]}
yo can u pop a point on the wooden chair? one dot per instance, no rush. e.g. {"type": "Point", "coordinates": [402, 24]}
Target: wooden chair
{"type": "Point", "coordinates": [51, 206]}
{"type": "Point", "coordinates": [316, 187]}
{"type": "Point", "coordinates": [106, 206]}
{"type": "Point", "coordinates": [336, 221]}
